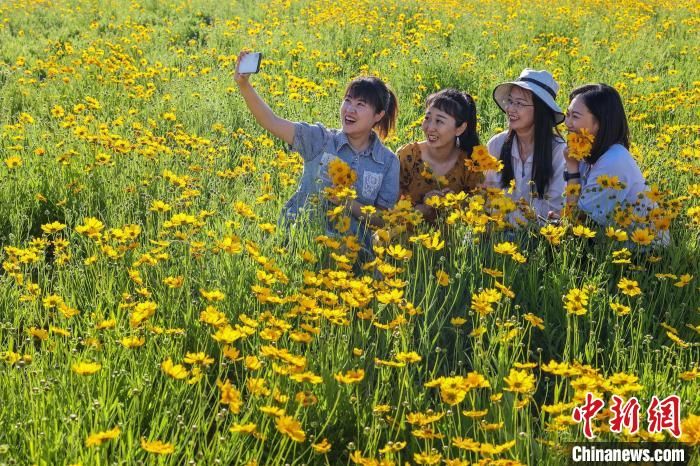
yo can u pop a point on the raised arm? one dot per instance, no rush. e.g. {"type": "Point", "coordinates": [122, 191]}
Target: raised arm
{"type": "Point", "coordinates": [283, 129]}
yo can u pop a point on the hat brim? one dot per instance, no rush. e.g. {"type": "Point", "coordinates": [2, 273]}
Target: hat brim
{"type": "Point", "coordinates": [501, 91]}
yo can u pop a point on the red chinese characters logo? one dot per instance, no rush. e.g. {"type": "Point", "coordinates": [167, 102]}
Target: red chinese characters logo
{"type": "Point", "coordinates": [665, 415]}
{"type": "Point", "coordinates": [587, 412]}
{"type": "Point", "coordinates": [661, 414]}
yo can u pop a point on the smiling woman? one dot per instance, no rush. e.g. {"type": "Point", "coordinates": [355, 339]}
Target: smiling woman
{"type": "Point", "coordinates": [531, 150]}
{"type": "Point", "coordinates": [368, 103]}
{"type": "Point", "coordinates": [435, 166]}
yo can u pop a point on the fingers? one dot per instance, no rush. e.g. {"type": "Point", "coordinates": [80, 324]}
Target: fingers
{"type": "Point", "coordinates": [237, 75]}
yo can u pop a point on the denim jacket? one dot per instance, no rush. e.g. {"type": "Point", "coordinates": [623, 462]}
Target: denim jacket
{"type": "Point", "coordinates": [377, 170]}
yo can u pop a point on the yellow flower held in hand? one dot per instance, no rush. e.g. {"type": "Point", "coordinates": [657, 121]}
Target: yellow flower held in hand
{"type": "Point", "coordinates": [579, 144]}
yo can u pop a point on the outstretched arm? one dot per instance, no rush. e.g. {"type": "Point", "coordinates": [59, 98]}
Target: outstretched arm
{"type": "Point", "coordinates": [283, 129]}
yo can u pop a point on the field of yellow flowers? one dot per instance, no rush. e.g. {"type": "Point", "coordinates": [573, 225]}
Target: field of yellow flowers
{"type": "Point", "coordinates": [152, 311]}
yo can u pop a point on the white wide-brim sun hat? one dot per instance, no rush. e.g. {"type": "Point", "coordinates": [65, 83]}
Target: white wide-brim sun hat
{"type": "Point", "coordinates": [541, 83]}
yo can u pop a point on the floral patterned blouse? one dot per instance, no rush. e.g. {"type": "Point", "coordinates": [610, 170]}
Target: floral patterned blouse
{"type": "Point", "coordinates": [416, 178]}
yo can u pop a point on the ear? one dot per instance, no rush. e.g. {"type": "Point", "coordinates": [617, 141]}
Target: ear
{"type": "Point", "coordinates": [461, 128]}
{"type": "Point", "coordinates": [378, 116]}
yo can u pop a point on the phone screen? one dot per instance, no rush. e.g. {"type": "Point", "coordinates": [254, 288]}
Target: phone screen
{"type": "Point", "coordinates": [250, 63]}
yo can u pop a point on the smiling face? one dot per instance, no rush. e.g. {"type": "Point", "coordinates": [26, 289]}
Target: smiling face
{"type": "Point", "coordinates": [579, 117]}
{"type": "Point", "coordinates": [357, 116]}
{"type": "Point", "coordinates": [440, 128]}
{"type": "Point", "coordinates": [520, 111]}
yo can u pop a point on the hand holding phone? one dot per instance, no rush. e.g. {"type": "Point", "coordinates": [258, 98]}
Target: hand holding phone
{"type": "Point", "coordinates": [248, 62]}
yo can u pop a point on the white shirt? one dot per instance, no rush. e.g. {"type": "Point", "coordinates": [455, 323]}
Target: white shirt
{"type": "Point", "coordinates": [524, 184]}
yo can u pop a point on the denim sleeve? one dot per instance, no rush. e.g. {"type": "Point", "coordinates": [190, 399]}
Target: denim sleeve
{"type": "Point", "coordinates": [389, 191]}
{"type": "Point", "coordinates": [309, 140]}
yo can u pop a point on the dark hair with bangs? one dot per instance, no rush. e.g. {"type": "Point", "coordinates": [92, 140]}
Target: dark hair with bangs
{"type": "Point", "coordinates": [461, 107]}
{"type": "Point", "coordinates": [380, 97]}
{"type": "Point", "coordinates": [542, 153]}
{"type": "Point", "coordinates": [605, 104]}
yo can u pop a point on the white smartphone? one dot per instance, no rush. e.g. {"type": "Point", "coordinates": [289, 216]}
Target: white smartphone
{"type": "Point", "coordinates": [250, 63]}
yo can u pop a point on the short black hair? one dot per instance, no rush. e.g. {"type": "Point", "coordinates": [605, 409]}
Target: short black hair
{"type": "Point", "coordinates": [379, 96]}
{"type": "Point", "coordinates": [605, 104]}
{"type": "Point", "coordinates": [461, 107]}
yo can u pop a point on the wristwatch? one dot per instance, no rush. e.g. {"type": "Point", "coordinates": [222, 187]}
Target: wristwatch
{"type": "Point", "coordinates": [571, 176]}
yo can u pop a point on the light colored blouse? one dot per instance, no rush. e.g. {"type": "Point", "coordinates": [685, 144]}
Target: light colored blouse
{"type": "Point", "coordinates": [524, 184]}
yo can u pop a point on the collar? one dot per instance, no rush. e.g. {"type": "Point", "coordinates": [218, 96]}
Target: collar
{"type": "Point", "coordinates": [342, 140]}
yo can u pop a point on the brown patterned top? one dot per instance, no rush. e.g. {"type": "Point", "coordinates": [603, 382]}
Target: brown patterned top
{"type": "Point", "coordinates": [416, 178]}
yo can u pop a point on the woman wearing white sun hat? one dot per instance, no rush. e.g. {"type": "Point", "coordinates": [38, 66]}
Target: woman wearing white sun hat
{"type": "Point", "coordinates": [531, 149]}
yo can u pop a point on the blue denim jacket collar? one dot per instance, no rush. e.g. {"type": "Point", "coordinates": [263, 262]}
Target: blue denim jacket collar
{"type": "Point", "coordinates": [341, 140]}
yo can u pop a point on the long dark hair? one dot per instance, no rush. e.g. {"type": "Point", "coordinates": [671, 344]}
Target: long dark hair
{"type": "Point", "coordinates": [605, 104]}
{"type": "Point", "coordinates": [545, 132]}
{"type": "Point", "coordinates": [461, 107]}
{"type": "Point", "coordinates": [380, 97]}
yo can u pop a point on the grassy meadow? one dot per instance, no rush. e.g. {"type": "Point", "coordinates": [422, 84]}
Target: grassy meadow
{"type": "Point", "coordinates": [153, 312]}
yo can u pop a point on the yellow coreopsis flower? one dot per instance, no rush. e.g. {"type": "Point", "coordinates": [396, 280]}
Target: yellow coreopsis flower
{"type": "Point", "coordinates": [629, 287]}
{"type": "Point", "coordinates": [553, 233]}
{"type": "Point", "coordinates": [690, 428]}
{"type": "Point", "coordinates": [506, 248]}
{"type": "Point", "coordinates": [408, 357]}
{"type": "Point", "coordinates": [583, 232]}
{"type": "Point", "coordinates": [321, 447]}
{"type": "Point", "coordinates": [620, 309]}
{"type": "Point", "coordinates": [580, 144]}
{"type": "Point", "coordinates": [642, 236]}
{"type": "Point", "coordinates": [340, 173]}
{"type": "Point", "coordinates": [91, 227]}
{"type": "Point", "coordinates": [132, 342]}
{"type": "Point", "coordinates": [158, 447]}
{"type": "Point", "coordinates": [212, 296]}
{"type": "Point", "coordinates": [53, 227]}
{"type": "Point", "coordinates": [520, 382]}
{"type": "Point", "coordinates": [13, 162]}
{"type": "Point", "coordinates": [443, 278]}
{"type": "Point", "coordinates": [427, 458]}
{"type": "Point", "coordinates": [100, 437]}
{"type": "Point", "coordinates": [176, 371]}
{"type": "Point", "coordinates": [617, 234]}
{"type": "Point", "coordinates": [142, 312]}
{"type": "Point", "coordinates": [230, 396]}
{"type": "Point", "coordinates": [482, 161]}
{"type": "Point", "coordinates": [198, 359]}
{"type": "Point", "coordinates": [350, 377]}
{"type": "Point", "coordinates": [86, 368]}
{"type": "Point", "coordinates": [290, 427]}
{"type": "Point", "coordinates": [683, 280]}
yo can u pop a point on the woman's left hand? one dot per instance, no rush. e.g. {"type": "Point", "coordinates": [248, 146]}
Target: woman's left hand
{"type": "Point", "coordinates": [571, 163]}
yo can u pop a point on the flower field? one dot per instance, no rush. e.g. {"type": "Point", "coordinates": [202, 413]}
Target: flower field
{"type": "Point", "coordinates": [152, 310]}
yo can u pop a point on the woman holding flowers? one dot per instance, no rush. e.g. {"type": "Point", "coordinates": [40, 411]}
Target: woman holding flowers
{"type": "Point", "coordinates": [531, 149]}
{"type": "Point", "coordinates": [336, 159]}
{"type": "Point", "coordinates": [600, 171]}
{"type": "Point", "coordinates": [436, 166]}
